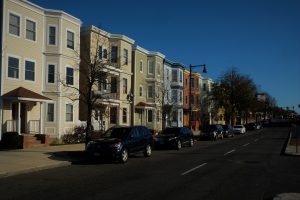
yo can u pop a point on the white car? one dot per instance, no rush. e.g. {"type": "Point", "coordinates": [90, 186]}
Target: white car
{"type": "Point", "coordinates": [239, 129]}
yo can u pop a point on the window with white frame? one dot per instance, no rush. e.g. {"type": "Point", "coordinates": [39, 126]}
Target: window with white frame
{"type": "Point", "coordinates": [29, 70]}
{"type": "Point", "coordinates": [180, 76]}
{"type": "Point", "coordinates": [13, 67]}
{"type": "Point", "coordinates": [50, 112]}
{"type": "Point", "coordinates": [114, 54]}
{"type": "Point", "coordinates": [174, 75]}
{"type": "Point", "coordinates": [167, 73]}
{"type": "Point", "coordinates": [180, 96]}
{"type": "Point", "coordinates": [125, 56]}
{"type": "Point", "coordinates": [70, 40]}
{"type": "Point", "coordinates": [150, 116]}
{"type": "Point", "coordinates": [125, 85]}
{"type": "Point", "coordinates": [30, 30]}
{"type": "Point", "coordinates": [158, 68]}
{"type": "Point", "coordinates": [52, 35]}
{"type": "Point", "coordinates": [124, 115]}
{"type": "Point", "coordinates": [174, 96]}
{"type": "Point", "coordinates": [70, 76]}
{"type": "Point", "coordinates": [14, 24]}
{"type": "Point", "coordinates": [141, 66]}
{"type": "Point", "coordinates": [141, 91]}
{"type": "Point", "coordinates": [69, 112]}
{"type": "Point", "coordinates": [51, 73]}
{"type": "Point", "coordinates": [100, 52]}
{"type": "Point", "coordinates": [150, 91]}
{"type": "Point", "coordinates": [150, 67]}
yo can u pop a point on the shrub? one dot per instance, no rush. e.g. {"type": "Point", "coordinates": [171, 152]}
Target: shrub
{"type": "Point", "coordinates": [78, 136]}
{"type": "Point", "coordinates": [11, 140]}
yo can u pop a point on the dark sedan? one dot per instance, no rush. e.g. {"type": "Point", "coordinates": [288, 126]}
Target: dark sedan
{"type": "Point", "coordinates": [228, 131]}
{"type": "Point", "coordinates": [175, 137]}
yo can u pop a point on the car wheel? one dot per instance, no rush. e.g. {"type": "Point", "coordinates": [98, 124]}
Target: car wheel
{"type": "Point", "coordinates": [124, 156]}
{"type": "Point", "coordinates": [148, 151]}
{"type": "Point", "coordinates": [178, 145]}
{"type": "Point", "coordinates": [191, 142]}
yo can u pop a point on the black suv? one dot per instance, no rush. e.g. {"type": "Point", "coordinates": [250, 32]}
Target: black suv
{"type": "Point", "coordinates": [174, 137]}
{"type": "Point", "coordinates": [119, 142]}
{"type": "Point", "coordinates": [213, 132]}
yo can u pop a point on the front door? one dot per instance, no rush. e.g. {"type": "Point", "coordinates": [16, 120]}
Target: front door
{"type": "Point", "coordinates": [23, 119]}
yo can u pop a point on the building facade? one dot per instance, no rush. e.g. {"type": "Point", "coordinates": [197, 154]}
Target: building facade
{"type": "Point", "coordinates": [40, 55]}
{"type": "Point", "coordinates": [148, 88]}
{"type": "Point", "coordinates": [112, 90]}
{"type": "Point", "coordinates": [173, 94]}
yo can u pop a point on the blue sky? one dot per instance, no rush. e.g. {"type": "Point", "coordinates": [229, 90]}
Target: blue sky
{"type": "Point", "coordinates": [261, 38]}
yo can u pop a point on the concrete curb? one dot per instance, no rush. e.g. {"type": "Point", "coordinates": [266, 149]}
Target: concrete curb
{"type": "Point", "coordinates": [34, 169]}
{"type": "Point", "coordinates": [291, 149]}
{"type": "Point", "coordinates": [287, 196]}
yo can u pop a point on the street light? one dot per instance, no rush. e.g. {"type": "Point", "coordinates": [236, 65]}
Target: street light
{"type": "Point", "coordinates": [190, 91]}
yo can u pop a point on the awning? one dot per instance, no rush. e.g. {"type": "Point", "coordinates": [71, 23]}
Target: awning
{"type": "Point", "coordinates": [24, 94]}
{"type": "Point", "coordinates": [143, 105]}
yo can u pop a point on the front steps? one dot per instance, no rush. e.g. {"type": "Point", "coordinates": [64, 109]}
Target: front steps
{"type": "Point", "coordinates": [35, 141]}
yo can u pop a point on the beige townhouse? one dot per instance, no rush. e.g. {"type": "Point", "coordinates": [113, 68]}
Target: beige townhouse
{"type": "Point", "coordinates": [39, 64]}
{"type": "Point", "coordinates": [111, 57]}
{"type": "Point", "coordinates": [148, 88]}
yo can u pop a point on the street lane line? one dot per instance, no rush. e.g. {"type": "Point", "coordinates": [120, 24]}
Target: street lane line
{"type": "Point", "coordinates": [233, 150]}
{"type": "Point", "coordinates": [246, 144]}
{"type": "Point", "coordinates": [193, 169]}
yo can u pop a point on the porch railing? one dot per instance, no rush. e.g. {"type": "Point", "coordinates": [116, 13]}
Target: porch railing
{"type": "Point", "coordinates": [34, 126]}
{"type": "Point", "coordinates": [11, 126]}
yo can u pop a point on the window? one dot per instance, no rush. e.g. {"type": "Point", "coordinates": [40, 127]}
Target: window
{"type": "Point", "coordinates": [174, 96]}
{"type": "Point", "coordinates": [141, 90]}
{"type": "Point", "coordinates": [168, 71]}
{"type": "Point", "coordinates": [186, 81]}
{"type": "Point", "coordinates": [174, 115]}
{"type": "Point", "coordinates": [141, 66]}
{"type": "Point", "coordinates": [157, 116]}
{"type": "Point", "coordinates": [180, 115]}
{"type": "Point", "coordinates": [30, 30]}
{"type": "Point", "coordinates": [113, 82]}
{"type": "Point", "coordinates": [150, 67]}
{"type": "Point", "coordinates": [50, 112]}
{"type": "Point", "coordinates": [14, 24]}
{"type": "Point", "coordinates": [52, 35]}
{"type": "Point", "coordinates": [204, 87]}
{"type": "Point", "coordinates": [105, 53]}
{"type": "Point", "coordinates": [29, 70]}
{"type": "Point", "coordinates": [180, 96]}
{"type": "Point", "coordinates": [124, 85]}
{"type": "Point", "coordinates": [125, 56]}
{"type": "Point", "coordinates": [113, 115]}
{"type": "Point", "coordinates": [180, 76]}
{"type": "Point", "coordinates": [150, 116]}
{"type": "Point", "coordinates": [114, 54]}
{"type": "Point", "coordinates": [124, 115]}
{"type": "Point", "coordinates": [186, 99]}
{"type": "Point", "coordinates": [51, 72]}
{"type": "Point", "coordinates": [100, 52]}
{"type": "Point", "coordinates": [150, 91]}
{"type": "Point", "coordinates": [174, 75]}
{"type": "Point", "coordinates": [70, 39]}
{"type": "Point", "coordinates": [13, 67]}
{"type": "Point", "coordinates": [70, 76]}
{"type": "Point", "coordinates": [158, 68]}
{"type": "Point", "coordinates": [69, 112]}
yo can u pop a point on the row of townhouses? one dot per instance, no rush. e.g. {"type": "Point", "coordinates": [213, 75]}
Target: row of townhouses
{"type": "Point", "coordinates": [42, 60]}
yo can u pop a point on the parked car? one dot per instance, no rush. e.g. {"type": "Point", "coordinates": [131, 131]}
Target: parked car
{"type": "Point", "coordinates": [239, 129]}
{"type": "Point", "coordinates": [174, 137]}
{"type": "Point", "coordinates": [213, 132]}
{"type": "Point", "coordinates": [228, 131]}
{"type": "Point", "coordinates": [259, 125]}
{"type": "Point", "coordinates": [119, 142]}
{"type": "Point", "coordinates": [251, 126]}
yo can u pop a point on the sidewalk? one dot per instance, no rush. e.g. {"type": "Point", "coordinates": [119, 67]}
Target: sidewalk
{"type": "Point", "coordinates": [15, 162]}
{"type": "Point", "coordinates": [293, 145]}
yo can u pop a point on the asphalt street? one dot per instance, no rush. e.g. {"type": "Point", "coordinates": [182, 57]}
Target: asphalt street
{"type": "Point", "coordinates": [248, 166]}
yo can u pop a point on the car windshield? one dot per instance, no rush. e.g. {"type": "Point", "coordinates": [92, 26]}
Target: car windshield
{"type": "Point", "coordinates": [119, 133]}
{"type": "Point", "coordinates": [174, 131]}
